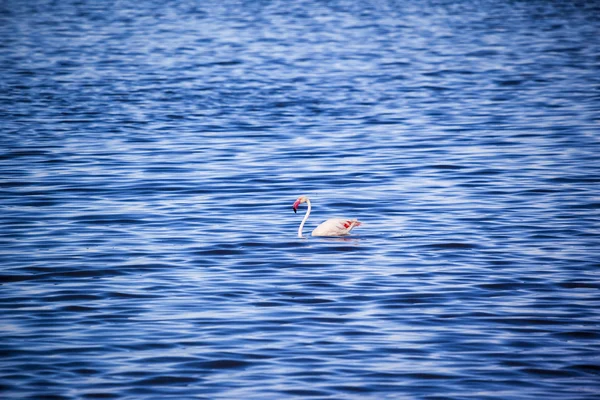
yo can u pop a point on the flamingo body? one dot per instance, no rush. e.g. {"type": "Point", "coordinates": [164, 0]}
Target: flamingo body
{"type": "Point", "coordinates": [331, 227]}
{"type": "Point", "coordinates": [335, 227]}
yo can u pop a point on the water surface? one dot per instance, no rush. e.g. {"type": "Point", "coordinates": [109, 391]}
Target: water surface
{"type": "Point", "coordinates": [151, 152]}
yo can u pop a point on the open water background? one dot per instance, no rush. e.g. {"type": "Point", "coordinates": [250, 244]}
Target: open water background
{"type": "Point", "coordinates": [151, 152]}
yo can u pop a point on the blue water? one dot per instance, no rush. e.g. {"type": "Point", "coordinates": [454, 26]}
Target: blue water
{"type": "Point", "coordinates": [151, 152]}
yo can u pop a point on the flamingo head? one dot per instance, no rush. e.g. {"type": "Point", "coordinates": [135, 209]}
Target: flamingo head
{"type": "Point", "coordinates": [301, 199]}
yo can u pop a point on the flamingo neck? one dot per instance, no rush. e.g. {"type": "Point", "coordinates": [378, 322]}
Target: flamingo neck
{"type": "Point", "coordinates": [304, 219]}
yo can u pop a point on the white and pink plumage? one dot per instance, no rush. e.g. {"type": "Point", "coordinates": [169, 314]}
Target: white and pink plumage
{"type": "Point", "coordinates": [331, 227]}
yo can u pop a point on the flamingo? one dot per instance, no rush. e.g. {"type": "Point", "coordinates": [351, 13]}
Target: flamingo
{"type": "Point", "coordinates": [331, 227]}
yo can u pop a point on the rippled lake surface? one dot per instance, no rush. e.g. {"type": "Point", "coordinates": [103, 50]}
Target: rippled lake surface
{"type": "Point", "coordinates": [151, 152]}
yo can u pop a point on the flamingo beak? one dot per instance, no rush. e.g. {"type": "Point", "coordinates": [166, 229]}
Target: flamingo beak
{"type": "Point", "coordinates": [295, 206]}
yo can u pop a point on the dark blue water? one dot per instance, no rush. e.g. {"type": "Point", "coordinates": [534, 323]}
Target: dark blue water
{"type": "Point", "coordinates": [151, 152]}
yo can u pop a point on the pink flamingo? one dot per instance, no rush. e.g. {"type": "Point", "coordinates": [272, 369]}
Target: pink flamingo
{"type": "Point", "coordinates": [331, 227]}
